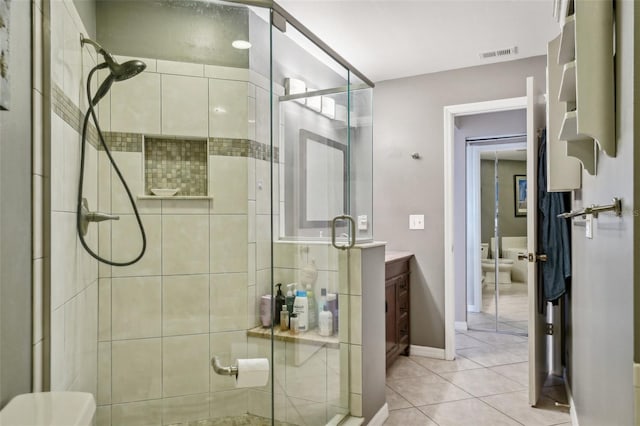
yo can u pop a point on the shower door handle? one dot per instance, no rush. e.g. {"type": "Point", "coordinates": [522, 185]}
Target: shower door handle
{"type": "Point", "coordinates": [353, 232]}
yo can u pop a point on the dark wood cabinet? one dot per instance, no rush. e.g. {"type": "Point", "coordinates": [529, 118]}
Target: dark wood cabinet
{"type": "Point", "coordinates": [397, 301]}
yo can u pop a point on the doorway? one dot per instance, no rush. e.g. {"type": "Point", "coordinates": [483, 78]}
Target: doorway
{"type": "Point", "coordinates": [496, 230]}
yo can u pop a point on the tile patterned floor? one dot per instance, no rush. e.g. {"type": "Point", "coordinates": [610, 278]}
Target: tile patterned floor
{"type": "Point", "coordinates": [487, 383]}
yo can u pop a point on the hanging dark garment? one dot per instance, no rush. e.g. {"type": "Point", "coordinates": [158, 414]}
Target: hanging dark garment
{"type": "Point", "coordinates": [553, 234]}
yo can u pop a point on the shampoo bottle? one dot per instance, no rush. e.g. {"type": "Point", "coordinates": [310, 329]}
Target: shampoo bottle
{"type": "Point", "coordinates": [280, 302]}
{"type": "Point", "coordinates": [326, 322]}
{"type": "Point", "coordinates": [313, 308]}
{"type": "Point", "coordinates": [301, 309]}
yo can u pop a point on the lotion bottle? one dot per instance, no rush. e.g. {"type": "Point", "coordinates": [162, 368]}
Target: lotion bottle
{"type": "Point", "coordinates": [326, 322]}
{"type": "Point", "coordinates": [301, 308]}
{"type": "Point", "coordinates": [284, 318]}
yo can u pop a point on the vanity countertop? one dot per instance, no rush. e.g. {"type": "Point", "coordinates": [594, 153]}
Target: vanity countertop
{"type": "Point", "coordinates": [391, 256]}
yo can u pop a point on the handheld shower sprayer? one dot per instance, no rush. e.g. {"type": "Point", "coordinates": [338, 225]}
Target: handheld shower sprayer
{"type": "Point", "coordinates": [118, 72]}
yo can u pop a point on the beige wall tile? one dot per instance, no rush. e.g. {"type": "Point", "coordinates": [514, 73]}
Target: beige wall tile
{"type": "Point", "coordinates": [355, 369]}
{"type": "Point", "coordinates": [185, 244]}
{"type": "Point", "coordinates": [185, 206]}
{"type": "Point", "coordinates": [103, 416]}
{"type": "Point", "coordinates": [251, 231]}
{"type": "Point", "coordinates": [185, 304]}
{"type": "Point", "coordinates": [251, 262]}
{"type": "Point", "coordinates": [57, 357]}
{"type": "Point", "coordinates": [104, 107]}
{"type": "Point", "coordinates": [356, 405]}
{"type": "Point", "coordinates": [38, 217]}
{"type": "Point", "coordinates": [251, 178]}
{"type": "Point", "coordinates": [104, 374]}
{"type": "Point", "coordinates": [263, 187]}
{"type": "Point", "coordinates": [356, 319]}
{"type": "Point", "coordinates": [135, 104]}
{"type": "Point", "coordinates": [228, 243]}
{"type": "Point", "coordinates": [343, 316]}
{"type": "Point", "coordinates": [180, 68]}
{"type": "Point", "coordinates": [130, 165]}
{"type": "Point", "coordinates": [228, 302]}
{"type": "Point", "coordinates": [229, 403]}
{"type": "Point", "coordinates": [146, 413]}
{"type": "Point", "coordinates": [104, 309]}
{"type": "Point", "coordinates": [37, 364]}
{"type": "Point", "coordinates": [263, 115]}
{"type": "Point", "coordinates": [185, 365]}
{"type": "Point", "coordinates": [226, 73]}
{"type": "Point", "coordinates": [228, 116]}
{"type": "Point", "coordinates": [251, 113]}
{"type": "Point", "coordinates": [136, 371]}
{"type": "Point", "coordinates": [263, 241]}
{"type": "Point", "coordinates": [58, 12]}
{"type": "Point", "coordinates": [184, 105]}
{"type": "Point", "coordinates": [37, 126]}
{"type": "Point", "coordinates": [184, 409]}
{"type": "Point", "coordinates": [228, 347]}
{"type": "Point", "coordinates": [72, 70]}
{"type": "Point", "coordinates": [136, 307]}
{"type": "Point", "coordinates": [37, 300]}
{"type": "Point", "coordinates": [228, 184]}
{"type": "Point", "coordinates": [252, 308]}
{"type": "Point", "coordinates": [127, 243]}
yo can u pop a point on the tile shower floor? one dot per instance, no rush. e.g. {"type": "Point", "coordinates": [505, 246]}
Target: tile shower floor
{"type": "Point", "coordinates": [486, 385]}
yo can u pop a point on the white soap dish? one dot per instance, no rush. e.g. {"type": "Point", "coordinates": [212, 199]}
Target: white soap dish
{"type": "Point", "coordinates": [165, 192]}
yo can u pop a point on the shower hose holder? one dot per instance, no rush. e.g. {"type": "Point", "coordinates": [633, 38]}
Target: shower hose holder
{"type": "Point", "coordinates": [87, 216]}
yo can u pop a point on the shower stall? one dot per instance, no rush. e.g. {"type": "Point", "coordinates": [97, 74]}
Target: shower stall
{"type": "Point", "coordinates": [246, 145]}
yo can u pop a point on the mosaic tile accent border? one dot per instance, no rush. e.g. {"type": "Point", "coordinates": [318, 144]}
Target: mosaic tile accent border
{"type": "Point", "coordinates": [122, 142]}
{"type": "Point", "coordinates": [176, 163]}
{"type": "Point", "coordinates": [64, 108]}
{"type": "Point", "coordinates": [242, 148]}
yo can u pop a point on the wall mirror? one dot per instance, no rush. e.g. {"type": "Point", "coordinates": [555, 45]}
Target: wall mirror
{"type": "Point", "coordinates": [323, 180]}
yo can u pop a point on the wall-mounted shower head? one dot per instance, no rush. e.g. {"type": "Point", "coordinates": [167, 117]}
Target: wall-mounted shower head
{"type": "Point", "coordinates": [118, 72]}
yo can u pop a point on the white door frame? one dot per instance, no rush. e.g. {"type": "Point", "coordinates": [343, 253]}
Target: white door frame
{"type": "Point", "coordinates": [450, 113]}
{"type": "Point", "coordinates": [473, 216]}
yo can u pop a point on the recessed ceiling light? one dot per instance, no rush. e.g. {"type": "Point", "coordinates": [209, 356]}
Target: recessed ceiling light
{"type": "Point", "coordinates": [241, 44]}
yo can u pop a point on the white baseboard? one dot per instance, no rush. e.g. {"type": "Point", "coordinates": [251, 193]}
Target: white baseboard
{"type": "Point", "coordinates": [380, 417]}
{"type": "Point", "coordinates": [461, 326]}
{"type": "Point", "coordinates": [572, 406]}
{"type": "Point", "coordinates": [427, 351]}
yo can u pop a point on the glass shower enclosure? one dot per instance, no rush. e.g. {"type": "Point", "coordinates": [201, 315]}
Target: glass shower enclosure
{"type": "Point", "coordinates": [266, 134]}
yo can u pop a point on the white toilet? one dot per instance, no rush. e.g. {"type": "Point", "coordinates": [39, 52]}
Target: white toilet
{"type": "Point", "coordinates": [488, 267]}
{"type": "Point", "coordinates": [49, 409]}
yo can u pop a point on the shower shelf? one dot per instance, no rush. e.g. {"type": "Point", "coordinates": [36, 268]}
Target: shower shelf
{"type": "Point", "coordinates": [310, 337]}
{"type": "Point", "coordinates": [175, 197]}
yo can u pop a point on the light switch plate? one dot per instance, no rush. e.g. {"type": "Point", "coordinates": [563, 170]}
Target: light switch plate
{"type": "Point", "coordinates": [416, 221]}
{"type": "Point", "coordinates": [363, 223]}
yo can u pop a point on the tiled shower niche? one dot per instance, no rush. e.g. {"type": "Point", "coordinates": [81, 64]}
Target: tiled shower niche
{"type": "Point", "coordinates": [176, 163]}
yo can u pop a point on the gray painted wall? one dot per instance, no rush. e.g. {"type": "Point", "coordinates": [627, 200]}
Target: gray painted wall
{"type": "Point", "coordinates": [409, 118]}
{"type": "Point", "coordinates": [509, 224]}
{"type": "Point", "coordinates": [15, 214]}
{"type": "Point", "coordinates": [477, 125]}
{"type": "Point", "coordinates": [602, 291]}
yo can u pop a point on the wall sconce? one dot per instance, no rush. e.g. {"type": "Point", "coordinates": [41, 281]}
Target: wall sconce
{"type": "Point", "coordinates": [315, 102]}
{"type": "Point", "coordinates": [293, 86]}
{"type": "Point", "coordinates": [328, 107]}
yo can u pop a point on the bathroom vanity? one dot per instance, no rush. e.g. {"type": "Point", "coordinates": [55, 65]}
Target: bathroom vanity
{"type": "Point", "coordinates": [397, 302]}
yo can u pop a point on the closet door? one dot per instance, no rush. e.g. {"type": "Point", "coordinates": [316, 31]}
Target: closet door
{"type": "Point", "coordinates": [538, 369]}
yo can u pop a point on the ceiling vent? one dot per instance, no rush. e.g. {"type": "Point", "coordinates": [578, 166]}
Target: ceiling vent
{"type": "Point", "coordinates": [500, 52]}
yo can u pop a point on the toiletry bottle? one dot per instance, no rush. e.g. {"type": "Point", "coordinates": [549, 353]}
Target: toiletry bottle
{"type": "Point", "coordinates": [326, 322]}
{"type": "Point", "coordinates": [293, 323]}
{"type": "Point", "coordinates": [301, 308]}
{"type": "Point", "coordinates": [291, 296]}
{"type": "Point", "coordinates": [280, 301]}
{"type": "Point", "coordinates": [265, 310]}
{"type": "Point", "coordinates": [284, 318]}
{"type": "Point", "coordinates": [313, 308]}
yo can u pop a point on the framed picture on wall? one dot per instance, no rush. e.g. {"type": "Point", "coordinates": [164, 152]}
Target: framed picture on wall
{"type": "Point", "coordinates": [520, 195]}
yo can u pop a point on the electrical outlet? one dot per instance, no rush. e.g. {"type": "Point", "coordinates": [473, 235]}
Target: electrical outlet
{"type": "Point", "coordinates": [416, 221]}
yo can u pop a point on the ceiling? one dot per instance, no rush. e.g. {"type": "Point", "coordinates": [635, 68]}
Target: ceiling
{"type": "Point", "coordinates": [388, 39]}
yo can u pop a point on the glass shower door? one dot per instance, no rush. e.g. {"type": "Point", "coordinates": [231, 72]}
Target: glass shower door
{"type": "Point", "coordinates": [311, 230]}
